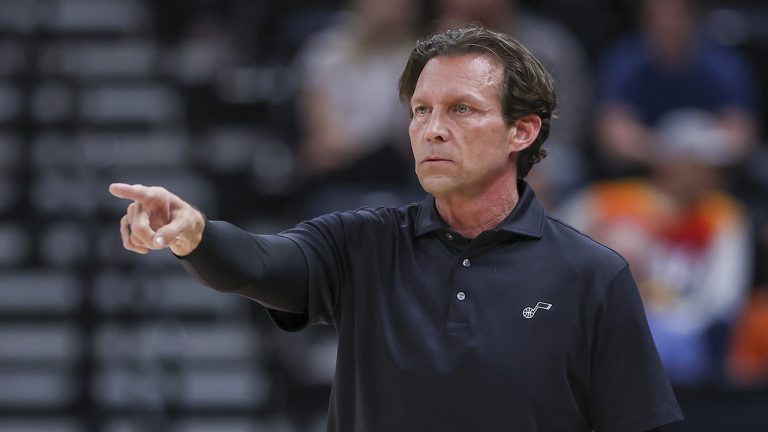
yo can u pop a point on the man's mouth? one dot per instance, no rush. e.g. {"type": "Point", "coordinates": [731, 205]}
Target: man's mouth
{"type": "Point", "coordinates": [436, 159]}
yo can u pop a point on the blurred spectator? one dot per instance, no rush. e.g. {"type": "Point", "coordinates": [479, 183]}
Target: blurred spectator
{"type": "Point", "coordinates": [563, 56]}
{"type": "Point", "coordinates": [669, 64]}
{"type": "Point", "coordinates": [348, 100]}
{"type": "Point", "coordinates": [686, 239]}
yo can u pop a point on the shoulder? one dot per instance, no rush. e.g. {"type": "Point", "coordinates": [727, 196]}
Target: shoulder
{"type": "Point", "coordinates": [580, 251]}
{"type": "Point", "coordinates": [380, 215]}
{"type": "Point", "coordinates": [366, 219]}
{"type": "Point", "coordinates": [631, 200]}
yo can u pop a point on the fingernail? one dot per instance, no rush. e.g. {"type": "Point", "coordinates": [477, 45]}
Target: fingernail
{"type": "Point", "coordinates": [160, 241]}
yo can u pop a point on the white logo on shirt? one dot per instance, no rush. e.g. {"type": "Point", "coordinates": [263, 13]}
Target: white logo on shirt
{"type": "Point", "coordinates": [529, 312]}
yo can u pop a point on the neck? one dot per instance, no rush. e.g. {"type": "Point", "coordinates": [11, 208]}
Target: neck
{"type": "Point", "coordinates": [471, 215]}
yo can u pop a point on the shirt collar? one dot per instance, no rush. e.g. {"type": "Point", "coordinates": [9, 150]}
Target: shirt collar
{"type": "Point", "coordinates": [527, 218]}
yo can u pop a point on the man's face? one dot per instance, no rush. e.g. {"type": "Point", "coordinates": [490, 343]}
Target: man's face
{"type": "Point", "coordinates": [461, 143]}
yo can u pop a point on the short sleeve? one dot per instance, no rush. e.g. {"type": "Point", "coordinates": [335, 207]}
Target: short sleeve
{"type": "Point", "coordinates": [323, 242]}
{"type": "Point", "coordinates": [629, 389]}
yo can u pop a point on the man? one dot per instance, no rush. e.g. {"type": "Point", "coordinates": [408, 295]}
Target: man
{"type": "Point", "coordinates": [471, 311]}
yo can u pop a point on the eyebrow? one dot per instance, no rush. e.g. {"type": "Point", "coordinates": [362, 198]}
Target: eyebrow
{"type": "Point", "coordinates": [453, 99]}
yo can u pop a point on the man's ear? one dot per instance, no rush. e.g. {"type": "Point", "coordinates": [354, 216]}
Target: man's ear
{"type": "Point", "coordinates": [524, 132]}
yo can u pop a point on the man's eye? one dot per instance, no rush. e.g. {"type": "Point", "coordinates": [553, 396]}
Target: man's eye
{"type": "Point", "coordinates": [462, 108]}
{"type": "Point", "coordinates": [420, 110]}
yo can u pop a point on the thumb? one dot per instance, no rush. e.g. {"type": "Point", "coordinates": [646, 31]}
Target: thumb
{"type": "Point", "coordinates": [166, 234]}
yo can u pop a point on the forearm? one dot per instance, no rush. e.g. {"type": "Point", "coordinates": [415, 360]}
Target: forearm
{"type": "Point", "coordinates": [269, 269]}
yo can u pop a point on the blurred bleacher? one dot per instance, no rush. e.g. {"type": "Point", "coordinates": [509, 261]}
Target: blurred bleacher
{"type": "Point", "coordinates": [93, 337]}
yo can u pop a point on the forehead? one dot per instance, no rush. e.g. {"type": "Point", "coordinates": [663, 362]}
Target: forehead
{"type": "Point", "coordinates": [474, 73]}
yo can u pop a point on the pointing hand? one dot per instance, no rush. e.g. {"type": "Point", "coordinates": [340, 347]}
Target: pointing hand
{"type": "Point", "coordinates": [157, 219]}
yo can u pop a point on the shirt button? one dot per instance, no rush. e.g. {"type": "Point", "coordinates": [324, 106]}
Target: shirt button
{"type": "Point", "coordinates": [449, 236]}
{"type": "Point", "coordinates": [466, 263]}
{"type": "Point", "coordinates": [460, 295]}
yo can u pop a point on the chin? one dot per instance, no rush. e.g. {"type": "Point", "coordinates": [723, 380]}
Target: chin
{"type": "Point", "coordinates": [437, 185]}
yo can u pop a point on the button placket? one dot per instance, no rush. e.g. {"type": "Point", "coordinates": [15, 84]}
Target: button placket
{"type": "Point", "coordinates": [460, 309]}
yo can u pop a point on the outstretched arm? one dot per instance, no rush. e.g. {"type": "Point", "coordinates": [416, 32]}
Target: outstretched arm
{"type": "Point", "coordinates": [269, 269]}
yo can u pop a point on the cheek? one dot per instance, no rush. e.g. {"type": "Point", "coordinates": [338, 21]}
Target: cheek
{"type": "Point", "coordinates": [412, 129]}
{"type": "Point", "coordinates": [413, 134]}
{"type": "Point", "coordinates": [488, 149]}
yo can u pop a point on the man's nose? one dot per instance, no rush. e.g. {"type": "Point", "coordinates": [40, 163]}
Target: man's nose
{"type": "Point", "coordinates": [436, 128]}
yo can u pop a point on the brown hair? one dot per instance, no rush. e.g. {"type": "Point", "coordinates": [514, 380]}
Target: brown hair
{"type": "Point", "coordinates": [527, 87]}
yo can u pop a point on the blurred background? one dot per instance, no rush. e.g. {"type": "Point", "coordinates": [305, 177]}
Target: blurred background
{"type": "Point", "coordinates": [267, 112]}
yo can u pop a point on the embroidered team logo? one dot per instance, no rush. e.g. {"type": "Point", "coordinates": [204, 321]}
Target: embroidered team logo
{"type": "Point", "coordinates": [529, 312]}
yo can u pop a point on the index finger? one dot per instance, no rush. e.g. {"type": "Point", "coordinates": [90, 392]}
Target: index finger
{"type": "Point", "coordinates": [132, 192]}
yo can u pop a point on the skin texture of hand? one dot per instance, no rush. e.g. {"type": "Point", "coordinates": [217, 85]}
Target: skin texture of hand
{"type": "Point", "coordinates": [157, 219]}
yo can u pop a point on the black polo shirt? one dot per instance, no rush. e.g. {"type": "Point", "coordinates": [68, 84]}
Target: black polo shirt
{"type": "Point", "coordinates": [531, 326]}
